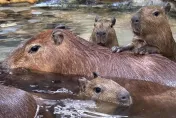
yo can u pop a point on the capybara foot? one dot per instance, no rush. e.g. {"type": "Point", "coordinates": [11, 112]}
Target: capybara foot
{"type": "Point", "coordinates": [146, 50]}
{"type": "Point", "coordinates": [115, 49]}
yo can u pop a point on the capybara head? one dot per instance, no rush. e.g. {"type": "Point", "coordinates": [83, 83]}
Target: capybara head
{"type": "Point", "coordinates": [107, 90]}
{"type": "Point", "coordinates": [50, 51]}
{"type": "Point", "coordinates": [151, 25]}
{"type": "Point", "coordinates": [103, 33]}
{"type": "Point", "coordinates": [150, 20]}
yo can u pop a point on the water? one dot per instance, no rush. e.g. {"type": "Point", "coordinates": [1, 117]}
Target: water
{"type": "Point", "coordinates": [32, 21]}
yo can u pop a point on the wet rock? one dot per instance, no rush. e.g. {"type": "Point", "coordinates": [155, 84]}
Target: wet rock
{"type": "Point", "coordinates": [36, 13]}
{"type": "Point", "coordinates": [7, 25]}
{"type": "Point", "coordinates": [3, 15]}
{"type": "Point", "coordinates": [26, 14]}
{"type": "Point", "coordinates": [48, 14]}
{"type": "Point", "coordinates": [3, 37]}
{"type": "Point", "coordinates": [34, 21]}
{"type": "Point", "coordinates": [8, 11]}
{"type": "Point", "coordinates": [8, 30]}
{"type": "Point", "coordinates": [5, 20]}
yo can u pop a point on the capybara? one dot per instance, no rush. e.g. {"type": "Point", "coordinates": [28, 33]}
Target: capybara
{"type": "Point", "coordinates": [152, 32]}
{"type": "Point", "coordinates": [16, 103]}
{"type": "Point", "coordinates": [150, 100]}
{"type": "Point", "coordinates": [101, 89]}
{"type": "Point", "coordinates": [60, 51]}
{"type": "Point", "coordinates": [103, 32]}
{"type": "Point", "coordinates": [16, 1]}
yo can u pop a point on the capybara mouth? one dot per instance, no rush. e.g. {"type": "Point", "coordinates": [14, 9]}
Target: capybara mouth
{"type": "Point", "coordinates": [101, 44]}
{"type": "Point", "coordinates": [136, 30]}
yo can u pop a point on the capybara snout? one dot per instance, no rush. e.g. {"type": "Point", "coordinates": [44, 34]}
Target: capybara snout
{"type": "Point", "coordinates": [135, 24]}
{"type": "Point", "coordinates": [135, 19]}
{"type": "Point", "coordinates": [103, 33]}
{"type": "Point", "coordinates": [101, 89]}
{"type": "Point", "coordinates": [124, 96]}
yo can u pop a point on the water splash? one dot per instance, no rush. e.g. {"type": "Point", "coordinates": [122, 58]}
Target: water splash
{"type": "Point", "coordinates": [51, 3]}
{"type": "Point", "coordinates": [80, 108]}
{"type": "Point", "coordinates": [61, 90]}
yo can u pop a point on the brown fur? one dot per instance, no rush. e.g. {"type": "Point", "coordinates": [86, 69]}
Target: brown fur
{"type": "Point", "coordinates": [15, 103]}
{"type": "Point", "coordinates": [79, 57]}
{"type": "Point", "coordinates": [150, 100]}
{"type": "Point", "coordinates": [110, 91]}
{"type": "Point", "coordinates": [153, 34]}
{"type": "Point", "coordinates": [105, 26]}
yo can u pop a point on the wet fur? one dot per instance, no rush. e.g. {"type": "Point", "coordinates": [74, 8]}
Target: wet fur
{"type": "Point", "coordinates": [15, 103]}
{"type": "Point", "coordinates": [79, 57]}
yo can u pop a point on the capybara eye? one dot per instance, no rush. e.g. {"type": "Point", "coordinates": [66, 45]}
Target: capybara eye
{"type": "Point", "coordinates": [156, 13]}
{"type": "Point", "coordinates": [97, 89]}
{"type": "Point", "coordinates": [34, 49]}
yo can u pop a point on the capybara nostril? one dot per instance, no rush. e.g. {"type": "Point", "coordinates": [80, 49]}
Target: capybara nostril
{"type": "Point", "coordinates": [124, 96]}
{"type": "Point", "coordinates": [101, 33]}
{"type": "Point", "coordinates": [135, 19]}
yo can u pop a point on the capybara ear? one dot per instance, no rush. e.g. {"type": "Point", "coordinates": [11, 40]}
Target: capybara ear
{"type": "Point", "coordinates": [82, 82]}
{"type": "Point", "coordinates": [95, 75]}
{"type": "Point", "coordinates": [57, 37]}
{"type": "Point", "coordinates": [113, 21]}
{"type": "Point", "coordinates": [96, 19]}
{"type": "Point", "coordinates": [167, 7]}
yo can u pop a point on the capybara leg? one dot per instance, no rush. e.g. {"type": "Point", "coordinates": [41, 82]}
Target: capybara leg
{"type": "Point", "coordinates": [146, 50]}
{"type": "Point", "coordinates": [121, 49]}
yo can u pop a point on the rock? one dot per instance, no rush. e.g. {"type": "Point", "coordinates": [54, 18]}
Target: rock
{"type": "Point", "coordinates": [8, 25]}
{"type": "Point", "coordinates": [26, 14]}
{"type": "Point", "coordinates": [3, 15]}
{"type": "Point", "coordinates": [8, 12]}
{"type": "Point", "coordinates": [48, 14]}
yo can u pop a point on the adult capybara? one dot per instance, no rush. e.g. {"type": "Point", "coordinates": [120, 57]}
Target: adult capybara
{"type": "Point", "coordinates": [15, 103]}
{"type": "Point", "coordinates": [101, 89]}
{"type": "Point", "coordinates": [150, 100]}
{"type": "Point", "coordinates": [60, 51]}
{"type": "Point", "coordinates": [152, 33]}
{"type": "Point", "coordinates": [103, 32]}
